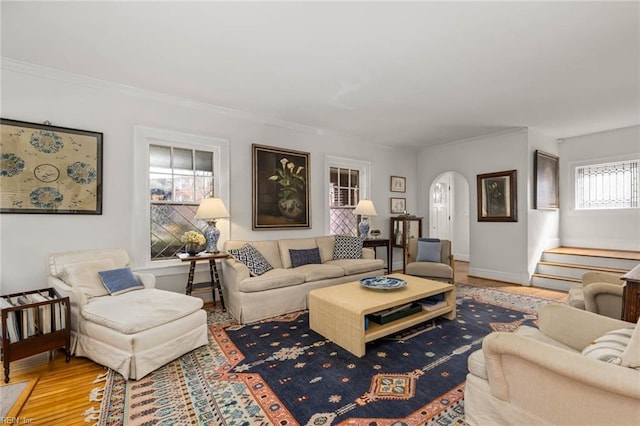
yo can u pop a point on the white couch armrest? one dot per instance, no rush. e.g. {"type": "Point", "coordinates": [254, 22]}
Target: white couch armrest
{"type": "Point", "coordinates": [521, 369]}
{"type": "Point", "coordinates": [234, 272]}
{"type": "Point", "coordinates": [574, 327]}
{"type": "Point", "coordinates": [368, 253]}
{"type": "Point", "coordinates": [77, 298]}
{"type": "Point", "coordinates": [148, 280]}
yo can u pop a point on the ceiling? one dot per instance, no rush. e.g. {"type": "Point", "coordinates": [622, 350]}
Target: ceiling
{"type": "Point", "coordinates": [392, 73]}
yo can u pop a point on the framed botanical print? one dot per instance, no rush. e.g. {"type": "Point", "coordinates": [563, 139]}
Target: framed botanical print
{"type": "Point", "coordinates": [398, 205]}
{"type": "Point", "coordinates": [280, 189]}
{"type": "Point", "coordinates": [398, 184]}
{"type": "Point", "coordinates": [497, 200]}
{"type": "Point", "coordinates": [49, 169]}
{"type": "Point", "coordinates": [546, 192]}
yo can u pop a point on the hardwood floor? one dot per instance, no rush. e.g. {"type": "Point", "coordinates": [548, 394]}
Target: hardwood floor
{"type": "Point", "coordinates": [61, 395]}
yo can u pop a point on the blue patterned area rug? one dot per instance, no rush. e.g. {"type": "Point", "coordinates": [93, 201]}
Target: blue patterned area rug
{"type": "Point", "coordinates": [279, 372]}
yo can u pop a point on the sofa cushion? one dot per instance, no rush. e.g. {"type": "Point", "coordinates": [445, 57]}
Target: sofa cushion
{"type": "Point", "coordinates": [357, 266]}
{"type": "Point", "coordinates": [275, 278]}
{"type": "Point", "coordinates": [429, 269]}
{"type": "Point", "coordinates": [347, 247]}
{"type": "Point", "coordinates": [610, 346]}
{"type": "Point", "coordinates": [326, 245]}
{"type": "Point", "coordinates": [118, 281]}
{"type": "Point", "coordinates": [131, 312]}
{"type": "Point", "coordinates": [631, 355]}
{"type": "Point", "coordinates": [313, 272]}
{"type": "Point", "coordinates": [428, 251]}
{"type": "Point", "coordinates": [84, 276]}
{"type": "Point", "coordinates": [304, 257]}
{"type": "Point", "coordinates": [268, 248]}
{"type": "Point", "coordinates": [295, 244]}
{"type": "Point", "coordinates": [252, 258]}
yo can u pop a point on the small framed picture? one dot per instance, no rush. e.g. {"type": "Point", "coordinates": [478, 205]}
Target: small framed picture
{"type": "Point", "coordinates": [398, 205]}
{"type": "Point", "coordinates": [497, 200]}
{"type": "Point", "coordinates": [545, 185]}
{"type": "Point", "coordinates": [398, 184]}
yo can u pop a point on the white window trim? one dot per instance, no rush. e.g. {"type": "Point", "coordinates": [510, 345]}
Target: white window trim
{"type": "Point", "coordinates": [364, 167]}
{"type": "Point", "coordinates": [143, 138]}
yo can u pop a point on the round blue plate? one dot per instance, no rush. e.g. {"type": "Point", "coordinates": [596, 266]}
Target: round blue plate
{"type": "Point", "coordinates": [383, 283]}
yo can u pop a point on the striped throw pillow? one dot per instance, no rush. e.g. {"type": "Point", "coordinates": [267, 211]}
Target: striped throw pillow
{"type": "Point", "coordinates": [609, 346]}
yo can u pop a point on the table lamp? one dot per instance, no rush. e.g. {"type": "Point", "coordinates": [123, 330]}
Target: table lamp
{"type": "Point", "coordinates": [365, 209]}
{"type": "Point", "coordinates": [210, 210]}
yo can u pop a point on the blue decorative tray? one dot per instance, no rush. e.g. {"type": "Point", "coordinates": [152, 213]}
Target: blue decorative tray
{"type": "Point", "coordinates": [383, 283]}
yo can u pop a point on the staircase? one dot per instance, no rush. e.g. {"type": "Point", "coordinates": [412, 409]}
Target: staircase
{"type": "Point", "coordinates": [560, 268]}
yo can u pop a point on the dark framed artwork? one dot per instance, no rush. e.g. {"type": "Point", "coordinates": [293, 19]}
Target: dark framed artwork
{"type": "Point", "coordinates": [497, 198]}
{"type": "Point", "coordinates": [280, 188]}
{"type": "Point", "coordinates": [398, 205]}
{"type": "Point", "coordinates": [398, 184]}
{"type": "Point", "coordinates": [49, 169]}
{"type": "Point", "coordinates": [546, 190]}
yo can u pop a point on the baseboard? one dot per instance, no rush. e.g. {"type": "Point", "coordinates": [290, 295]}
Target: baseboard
{"type": "Point", "coordinates": [498, 276]}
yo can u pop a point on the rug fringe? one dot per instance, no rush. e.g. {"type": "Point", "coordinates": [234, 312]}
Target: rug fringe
{"type": "Point", "coordinates": [91, 414]}
{"type": "Point", "coordinates": [96, 394]}
{"type": "Point", "coordinates": [101, 377]}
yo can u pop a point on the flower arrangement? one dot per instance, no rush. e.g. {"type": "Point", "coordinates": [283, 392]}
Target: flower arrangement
{"type": "Point", "coordinates": [193, 237]}
{"type": "Point", "coordinates": [289, 178]}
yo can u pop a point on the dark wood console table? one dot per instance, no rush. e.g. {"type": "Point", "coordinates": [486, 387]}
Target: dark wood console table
{"type": "Point", "coordinates": [631, 295]}
{"type": "Point", "coordinates": [379, 242]}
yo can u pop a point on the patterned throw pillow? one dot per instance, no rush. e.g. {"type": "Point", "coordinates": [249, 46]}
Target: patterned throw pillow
{"type": "Point", "coordinates": [304, 257]}
{"type": "Point", "coordinates": [609, 346]}
{"type": "Point", "coordinates": [118, 281]}
{"type": "Point", "coordinates": [251, 257]}
{"type": "Point", "coordinates": [347, 247]}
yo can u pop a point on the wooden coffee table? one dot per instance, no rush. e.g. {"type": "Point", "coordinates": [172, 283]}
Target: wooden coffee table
{"type": "Point", "coordinates": [338, 312]}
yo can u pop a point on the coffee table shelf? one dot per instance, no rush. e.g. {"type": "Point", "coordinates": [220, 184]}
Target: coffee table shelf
{"type": "Point", "coordinates": [338, 312]}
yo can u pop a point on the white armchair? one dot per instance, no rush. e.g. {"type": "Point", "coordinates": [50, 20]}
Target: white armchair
{"type": "Point", "coordinates": [599, 292]}
{"type": "Point", "coordinates": [133, 332]}
{"type": "Point", "coordinates": [544, 377]}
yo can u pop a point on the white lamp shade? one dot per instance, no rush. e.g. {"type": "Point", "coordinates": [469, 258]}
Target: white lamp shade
{"type": "Point", "coordinates": [211, 208]}
{"type": "Point", "coordinates": [365, 208]}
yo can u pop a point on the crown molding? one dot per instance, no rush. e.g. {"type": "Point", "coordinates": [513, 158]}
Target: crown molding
{"type": "Point", "coordinates": [13, 65]}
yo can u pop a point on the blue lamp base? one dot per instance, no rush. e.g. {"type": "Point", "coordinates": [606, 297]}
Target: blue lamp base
{"type": "Point", "coordinates": [363, 228]}
{"type": "Point", "coordinates": [212, 234]}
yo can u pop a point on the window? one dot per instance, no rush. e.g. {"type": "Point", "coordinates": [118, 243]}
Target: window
{"type": "Point", "coordinates": [179, 179]}
{"type": "Point", "coordinates": [347, 182]}
{"type": "Point", "coordinates": [344, 188]}
{"type": "Point", "coordinates": [608, 185]}
{"type": "Point", "coordinates": [172, 172]}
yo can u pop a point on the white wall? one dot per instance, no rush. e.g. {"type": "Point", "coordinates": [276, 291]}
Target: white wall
{"type": "Point", "coordinates": [614, 229]}
{"type": "Point", "coordinates": [543, 225]}
{"type": "Point", "coordinates": [35, 94]}
{"type": "Point", "coordinates": [461, 217]}
{"type": "Point", "coordinates": [496, 250]}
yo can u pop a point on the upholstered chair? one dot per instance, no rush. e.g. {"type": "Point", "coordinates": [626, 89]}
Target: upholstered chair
{"type": "Point", "coordinates": [118, 318]}
{"type": "Point", "coordinates": [430, 258]}
{"type": "Point", "coordinates": [598, 292]}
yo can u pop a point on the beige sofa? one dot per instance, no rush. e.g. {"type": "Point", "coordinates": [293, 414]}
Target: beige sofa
{"type": "Point", "coordinates": [284, 288]}
{"type": "Point", "coordinates": [540, 376]}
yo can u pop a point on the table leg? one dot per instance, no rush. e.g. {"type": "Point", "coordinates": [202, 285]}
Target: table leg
{"type": "Point", "coordinates": [192, 268]}
{"type": "Point", "coordinates": [215, 283]}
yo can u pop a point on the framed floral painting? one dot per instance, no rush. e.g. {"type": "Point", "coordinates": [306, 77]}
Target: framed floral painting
{"type": "Point", "coordinates": [280, 189]}
{"type": "Point", "coordinates": [49, 169]}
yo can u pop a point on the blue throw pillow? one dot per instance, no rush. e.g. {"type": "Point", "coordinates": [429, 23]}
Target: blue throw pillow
{"type": "Point", "coordinates": [429, 251]}
{"type": "Point", "coordinates": [347, 247]}
{"type": "Point", "coordinates": [118, 281]}
{"type": "Point", "coordinates": [304, 257]}
{"type": "Point", "coordinates": [252, 258]}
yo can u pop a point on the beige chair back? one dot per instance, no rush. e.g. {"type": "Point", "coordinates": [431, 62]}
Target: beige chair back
{"type": "Point", "coordinates": [445, 252]}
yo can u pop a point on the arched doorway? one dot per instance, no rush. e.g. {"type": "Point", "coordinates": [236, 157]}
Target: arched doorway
{"type": "Point", "coordinates": [449, 212]}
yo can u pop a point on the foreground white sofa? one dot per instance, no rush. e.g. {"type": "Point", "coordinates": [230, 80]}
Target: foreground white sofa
{"type": "Point", "coordinates": [540, 376]}
{"type": "Point", "coordinates": [284, 289]}
{"type": "Point", "coordinates": [134, 332]}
